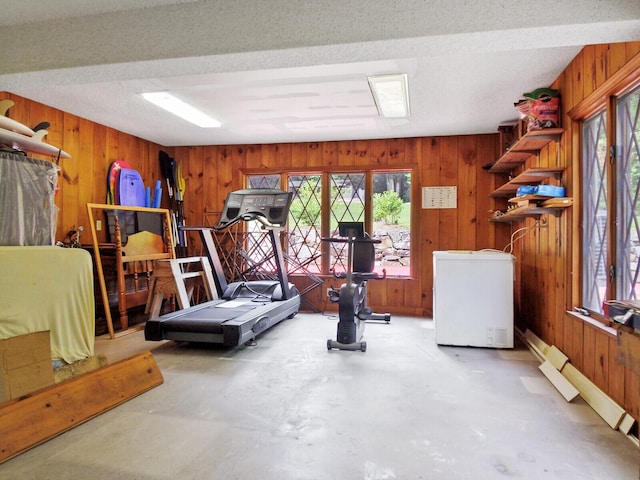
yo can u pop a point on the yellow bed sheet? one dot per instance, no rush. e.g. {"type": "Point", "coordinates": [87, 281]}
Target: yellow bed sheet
{"type": "Point", "coordinates": [49, 288]}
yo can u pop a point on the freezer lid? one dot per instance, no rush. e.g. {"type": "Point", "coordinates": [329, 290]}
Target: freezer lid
{"type": "Point", "coordinates": [471, 255]}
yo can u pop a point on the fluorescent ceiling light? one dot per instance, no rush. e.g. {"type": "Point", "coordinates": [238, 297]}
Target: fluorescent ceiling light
{"type": "Point", "coordinates": [391, 94]}
{"type": "Point", "coordinates": [181, 109]}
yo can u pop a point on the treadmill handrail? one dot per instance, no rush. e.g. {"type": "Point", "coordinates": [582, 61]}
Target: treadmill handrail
{"type": "Point", "coordinates": [247, 217]}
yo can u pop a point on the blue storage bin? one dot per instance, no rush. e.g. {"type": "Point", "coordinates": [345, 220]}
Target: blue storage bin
{"type": "Point", "coordinates": [525, 190]}
{"type": "Point", "coordinates": [550, 191]}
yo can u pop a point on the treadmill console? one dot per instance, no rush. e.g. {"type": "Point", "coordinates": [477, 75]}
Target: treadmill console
{"type": "Point", "coordinates": [269, 204]}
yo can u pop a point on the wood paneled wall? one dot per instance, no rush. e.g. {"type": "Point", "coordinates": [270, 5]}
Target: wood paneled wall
{"type": "Point", "coordinates": [548, 258]}
{"type": "Point", "coordinates": [82, 178]}
{"type": "Point", "coordinates": [212, 171]}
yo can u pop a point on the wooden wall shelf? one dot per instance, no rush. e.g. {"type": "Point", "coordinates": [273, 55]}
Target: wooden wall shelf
{"type": "Point", "coordinates": [521, 213]}
{"type": "Point", "coordinates": [532, 176]}
{"type": "Point", "coordinates": [529, 145]}
{"type": "Point", "coordinates": [526, 147]}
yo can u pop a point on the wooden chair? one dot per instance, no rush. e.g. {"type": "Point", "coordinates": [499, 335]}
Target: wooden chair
{"type": "Point", "coordinates": [134, 266]}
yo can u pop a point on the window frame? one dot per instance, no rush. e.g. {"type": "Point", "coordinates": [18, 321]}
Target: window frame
{"type": "Point", "coordinates": [626, 80]}
{"type": "Point", "coordinates": [326, 173]}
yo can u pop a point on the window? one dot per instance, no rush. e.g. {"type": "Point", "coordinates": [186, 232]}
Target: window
{"type": "Point", "coordinates": [381, 200]}
{"type": "Point", "coordinates": [611, 203]}
{"type": "Point", "coordinates": [627, 191]}
{"type": "Point", "coordinates": [346, 204]}
{"type": "Point", "coordinates": [595, 212]}
{"type": "Point", "coordinates": [305, 232]}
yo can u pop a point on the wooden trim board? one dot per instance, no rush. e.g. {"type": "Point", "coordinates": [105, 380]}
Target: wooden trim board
{"type": "Point", "coordinates": [610, 411]}
{"type": "Point", "coordinates": [556, 357]}
{"type": "Point", "coordinates": [628, 351]}
{"type": "Point", "coordinates": [626, 424]}
{"type": "Point", "coordinates": [38, 417]}
{"type": "Point", "coordinates": [569, 381]}
{"type": "Point", "coordinates": [568, 391]}
{"type": "Point", "coordinates": [536, 345]}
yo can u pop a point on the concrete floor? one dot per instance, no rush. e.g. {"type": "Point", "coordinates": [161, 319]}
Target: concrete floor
{"type": "Point", "coordinates": [289, 409]}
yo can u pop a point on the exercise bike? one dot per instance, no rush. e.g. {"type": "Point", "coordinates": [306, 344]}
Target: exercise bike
{"type": "Point", "coordinates": [351, 297]}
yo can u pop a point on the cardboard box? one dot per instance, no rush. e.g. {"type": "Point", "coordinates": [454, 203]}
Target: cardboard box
{"type": "Point", "coordinates": [25, 364]}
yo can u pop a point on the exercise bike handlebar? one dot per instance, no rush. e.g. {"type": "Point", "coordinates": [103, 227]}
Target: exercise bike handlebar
{"type": "Point", "coordinates": [361, 275]}
{"type": "Point", "coordinates": [350, 240]}
{"type": "Point", "coordinates": [246, 217]}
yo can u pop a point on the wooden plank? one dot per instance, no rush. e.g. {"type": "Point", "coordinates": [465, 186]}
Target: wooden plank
{"type": "Point", "coordinates": [428, 175]}
{"type": "Point", "coordinates": [314, 156]}
{"type": "Point", "coordinates": [329, 153]}
{"type": "Point", "coordinates": [601, 63]}
{"type": "Point", "coordinates": [298, 156]}
{"type": "Point", "coordinates": [632, 393]}
{"type": "Point", "coordinates": [589, 351]}
{"type": "Point", "coordinates": [254, 156]}
{"type": "Point", "coordinates": [536, 342]}
{"type": "Point", "coordinates": [192, 167]}
{"type": "Point", "coordinates": [346, 151]}
{"type": "Point", "coordinates": [467, 192]}
{"type": "Point", "coordinates": [566, 389]}
{"type": "Point", "coordinates": [626, 424]}
{"type": "Point", "coordinates": [87, 173]}
{"type": "Point", "coordinates": [448, 176]}
{"type": "Point", "coordinates": [379, 154]}
{"type": "Point", "coordinates": [396, 153]}
{"type": "Point", "coordinates": [80, 367]}
{"type": "Point", "coordinates": [628, 351]}
{"type": "Point", "coordinates": [601, 366]}
{"type": "Point", "coordinates": [36, 418]}
{"type": "Point", "coordinates": [556, 357]}
{"type": "Point", "coordinates": [632, 49]}
{"type": "Point", "coordinates": [615, 375]}
{"type": "Point", "coordinates": [589, 69]}
{"type": "Point", "coordinates": [485, 231]}
{"type": "Point", "coordinates": [610, 411]}
{"type": "Point", "coordinates": [226, 174]}
{"type": "Point", "coordinates": [361, 152]}
{"type": "Point", "coordinates": [283, 156]}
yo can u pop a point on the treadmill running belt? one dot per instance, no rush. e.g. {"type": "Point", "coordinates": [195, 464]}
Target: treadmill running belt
{"type": "Point", "coordinates": [208, 319]}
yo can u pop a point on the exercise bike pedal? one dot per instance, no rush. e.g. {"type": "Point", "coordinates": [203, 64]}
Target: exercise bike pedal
{"type": "Point", "coordinates": [333, 294]}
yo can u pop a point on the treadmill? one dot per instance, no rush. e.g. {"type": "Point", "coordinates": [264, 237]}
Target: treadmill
{"type": "Point", "coordinates": [244, 309]}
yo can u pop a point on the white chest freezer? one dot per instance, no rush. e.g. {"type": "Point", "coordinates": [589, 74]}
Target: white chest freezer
{"type": "Point", "coordinates": [473, 298]}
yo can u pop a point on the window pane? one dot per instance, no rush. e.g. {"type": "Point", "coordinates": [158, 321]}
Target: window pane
{"type": "Point", "coordinates": [392, 221]}
{"type": "Point", "coordinates": [263, 181]}
{"type": "Point", "coordinates": [245, 250]}
{"type": "Point", "coordinates": [304, 220]}
{"type": "Point", "coordinates": [594, 235]}
{"type": "Point", "coordinates": [346, 205]}
{"type": "Point", "coordinates": [628, 185]}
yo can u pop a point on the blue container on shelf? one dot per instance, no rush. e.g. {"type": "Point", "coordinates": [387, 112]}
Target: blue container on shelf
{"type": "Point", "coordinates": [526, 190]}
{"type": "Point", "coordinates": [550, 191]}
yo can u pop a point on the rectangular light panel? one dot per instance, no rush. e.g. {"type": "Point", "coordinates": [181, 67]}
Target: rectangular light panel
{"type": "Point", "coordinates": [391, 94]}
{"type": "Point", "coordinates": [181, 109]}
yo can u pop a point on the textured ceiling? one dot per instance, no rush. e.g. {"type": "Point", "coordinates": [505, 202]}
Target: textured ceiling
{"type": "Point", "coordinates": [289, 70]}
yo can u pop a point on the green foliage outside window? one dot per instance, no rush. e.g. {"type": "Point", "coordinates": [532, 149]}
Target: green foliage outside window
{"type": "Point", "coordinates": [306, 206]}
{"type": "Point", "coordinates": [387, 207]}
